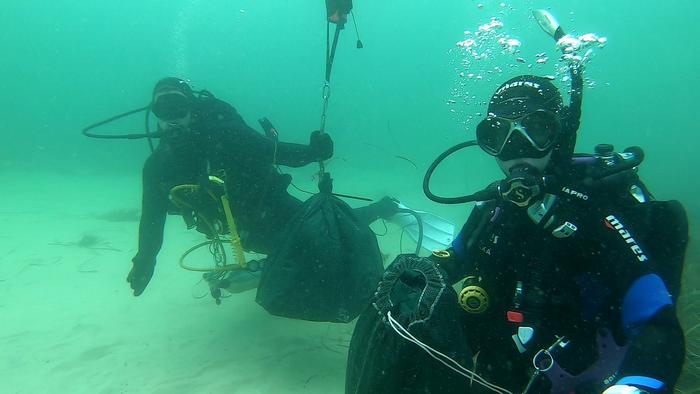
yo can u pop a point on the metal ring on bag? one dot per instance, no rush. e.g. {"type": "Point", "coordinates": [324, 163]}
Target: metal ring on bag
{"type": "Point", "coordinates": [543, 356]}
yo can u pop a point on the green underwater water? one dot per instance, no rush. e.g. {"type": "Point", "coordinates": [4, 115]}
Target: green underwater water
{"type": "Point", "coordinates": [66, 64]}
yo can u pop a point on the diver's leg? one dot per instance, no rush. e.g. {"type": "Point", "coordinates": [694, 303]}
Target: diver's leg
{"type": "Point", "coordinates": [384, 209]}
{"type": "Point", "coordinates": [261, 236]}
{"type": "Point", "coordinates": [270, 226]}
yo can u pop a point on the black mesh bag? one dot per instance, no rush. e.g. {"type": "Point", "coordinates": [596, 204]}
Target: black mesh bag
{"type": "Point", "coordinates": [414, 291]}
{"type": "Point", "coordinates": [327, 267]}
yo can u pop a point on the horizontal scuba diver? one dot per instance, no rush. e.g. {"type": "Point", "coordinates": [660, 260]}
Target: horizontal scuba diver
{"type": "Point", "coordinates": [202, 136]}
{"type": "Point", "coordinates": [570, 271]}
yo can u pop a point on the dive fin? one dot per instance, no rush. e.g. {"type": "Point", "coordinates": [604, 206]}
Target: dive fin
{"type": "Point", "coordinates": [438, 233]}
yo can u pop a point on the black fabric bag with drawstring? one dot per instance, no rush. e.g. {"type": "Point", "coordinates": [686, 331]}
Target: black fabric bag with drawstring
{"type": "Point", "coordinates": [414, 291]}
{"type": "Point", "coordinates": [327, 267]}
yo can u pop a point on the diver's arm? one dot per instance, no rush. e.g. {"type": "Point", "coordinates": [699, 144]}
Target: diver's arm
{"type": "Point", "coordinates": [154, 209]}
{"type": "Point", "coordinates": [655, 358]}
{"type": "Point", "coordinates": [647, 312]}
{"type": "Point", "coordinates": [458, 260]}
{"type": "Point", "coordinates": [573, 111]}
{"type": "Point", "coordinates": [320, 148]}
{"type": "Point", "coordinates": [247, 142]}
{"type": "Point", "coordinates": [243, 144]}
{"type": "Point", "coordinates": [550, 26]}
{"type": "Point", "coordinates": [293, 155]}
{"type": "Point", "coordinates": [648, 316]}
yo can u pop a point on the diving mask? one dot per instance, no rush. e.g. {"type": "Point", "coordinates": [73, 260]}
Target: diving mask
{"type": "Point", "coordinates": [537, 132]}
{"type": "Point", "coordinates": [171, 106]}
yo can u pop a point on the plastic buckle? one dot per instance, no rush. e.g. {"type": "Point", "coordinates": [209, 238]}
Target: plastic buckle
{"type": "Point", "coordinates": [515, 316]}
{"type": "Point", "coordinates": [565, 230]}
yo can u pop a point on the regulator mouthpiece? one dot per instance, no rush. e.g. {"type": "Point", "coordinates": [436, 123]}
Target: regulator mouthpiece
{"type": "Point", "coordinates": [523, 186]}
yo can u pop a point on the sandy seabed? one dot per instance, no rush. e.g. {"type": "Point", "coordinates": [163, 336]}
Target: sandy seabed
{"type": "Point", "coordinates": [69, 323]}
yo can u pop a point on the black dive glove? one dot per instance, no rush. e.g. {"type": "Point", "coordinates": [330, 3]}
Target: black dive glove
{"type": "Point", "coordinates": [320, 145]}
{"type": "Point", "coordinates": [140, 275]}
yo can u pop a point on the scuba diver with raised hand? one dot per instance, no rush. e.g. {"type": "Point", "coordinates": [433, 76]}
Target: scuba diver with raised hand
{"type": "Point", "coordinates": [570, 271]}
{"type": "Point", "coordinates": [568, 257]}
{"type": "Point", "coordinates": [201, 136]}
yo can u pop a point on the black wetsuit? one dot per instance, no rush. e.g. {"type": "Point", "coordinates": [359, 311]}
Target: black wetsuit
{"type": "Point", "coordinates": [219, 139]}
{"type": "Point", "coordinates": [601, 276]}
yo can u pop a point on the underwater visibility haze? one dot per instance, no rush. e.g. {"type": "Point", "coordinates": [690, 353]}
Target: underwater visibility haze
{"type": "Point", "coordinates": [420, 84]}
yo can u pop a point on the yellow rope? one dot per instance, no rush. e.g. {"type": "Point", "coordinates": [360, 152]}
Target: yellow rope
{"type": "Point", "coordinates": [236, 246]}
{"type": "Point", "coordinates": [235, 241]}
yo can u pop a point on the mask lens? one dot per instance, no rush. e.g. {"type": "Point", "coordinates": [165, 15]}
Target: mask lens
{"type": "Point", "coordinates": [491, 134]}
{"type": "Point", "coordinates": [171, 106]}
{"type": "Point", "coordinates": [518, 146]}
{"type": "Point", "coordinates": [542, 127]}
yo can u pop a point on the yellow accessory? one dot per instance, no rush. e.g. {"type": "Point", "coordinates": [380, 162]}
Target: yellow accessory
{"type": "Point", "coordinates": [443, 254]}
{"type": "Point", "coordinates": [215, 244]}
{"type": "Point", "coordinates": [473, 298]}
